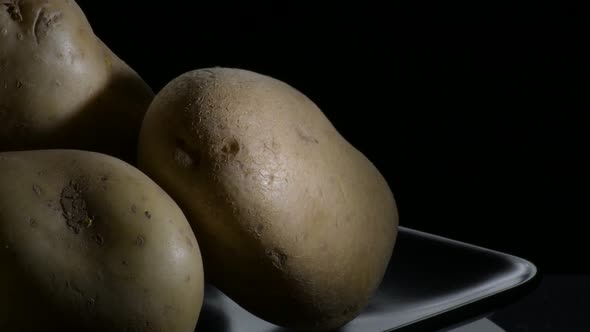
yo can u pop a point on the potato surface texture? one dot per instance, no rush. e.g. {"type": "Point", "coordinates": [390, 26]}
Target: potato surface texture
{"type": "Point", "coordinates": [89, 243]}
{"type": "Point", "coordinates": [61, 87]}
{"type": "Point", "coordinates": [294, 223]}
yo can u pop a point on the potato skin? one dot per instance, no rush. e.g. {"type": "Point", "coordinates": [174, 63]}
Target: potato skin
{"type": "Point", "coordinates": [61, 87]}
{"type": "Point", "coordinates": [295, 224]}
{"type": "Point", "coordinates": [89, 243]}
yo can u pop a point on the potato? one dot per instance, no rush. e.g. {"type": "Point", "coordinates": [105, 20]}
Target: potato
{"type": "Point", "coordinates": [89, 243]}
{"type": "Point", "coordinates": [61, 87]}
{"type": "Point", "coordinates": [295, 224]}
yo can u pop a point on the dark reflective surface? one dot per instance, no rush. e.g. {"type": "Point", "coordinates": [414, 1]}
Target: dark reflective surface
{"type": "Point", "coordinates": [429, 278]}
{"type": "Point", "coordinates": [212, 317]}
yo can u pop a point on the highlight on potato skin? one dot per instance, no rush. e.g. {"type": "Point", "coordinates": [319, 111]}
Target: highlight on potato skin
{"type": "Point", "coordinates": [89, 243]}
{"type": "Point", "coordinates": [294, 223]}
{"type": "Point", "coordinates": [61, 86]}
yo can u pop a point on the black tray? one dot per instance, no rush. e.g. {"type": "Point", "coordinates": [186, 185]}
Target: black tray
{"type": "Point", "coordinates": [431, 283]}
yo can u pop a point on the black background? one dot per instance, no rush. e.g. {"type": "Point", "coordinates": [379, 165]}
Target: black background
{"type": "Point", "coordinates": [479, 129]}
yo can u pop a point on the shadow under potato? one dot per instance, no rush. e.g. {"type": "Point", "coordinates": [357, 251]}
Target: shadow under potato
{"type": "Point", "coordinates": [211, 317]}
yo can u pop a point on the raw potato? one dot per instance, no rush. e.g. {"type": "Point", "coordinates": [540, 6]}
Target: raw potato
{"type": "Point", "coordinates": [61, 87]}
{"type": "Point", "coordinates": [89, 243]}
{"type": "Point", "coordinates": [294, 223]}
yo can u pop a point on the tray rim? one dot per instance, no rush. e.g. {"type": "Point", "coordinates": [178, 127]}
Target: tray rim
{"type": "Point", "coordinates": [533, 277]}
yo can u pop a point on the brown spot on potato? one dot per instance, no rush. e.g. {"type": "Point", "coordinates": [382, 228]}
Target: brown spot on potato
{"type": "Point", "coordinates": [103, 180]}
{"type": "Point", "coordinates": [74, 208]}
{"type": "Point", "coordinates": [13, 9]}
{"type": "Point", "coordinates": [277, 257]}
{"type": "Point", "coordinates": [20, 36]}
{"type": "Point", "coordinates": [99, 240]}
{"type": "Point", "coordinates": [19, 84]}
{"type": "Point", "coordinates": [140, 241]}
{"type": "Point", "coordinates": [37, 190]}
{"type": "Point", "coordinates": [231, 148]}
{"type": "Point", "coordinates": [33, 223]}
{"type": "Point", "coordinates": [125, 263]}
{"type": "Point", "coordinates": [147, 214]}
{"type": "Point", "coordinates": [305, 136]}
